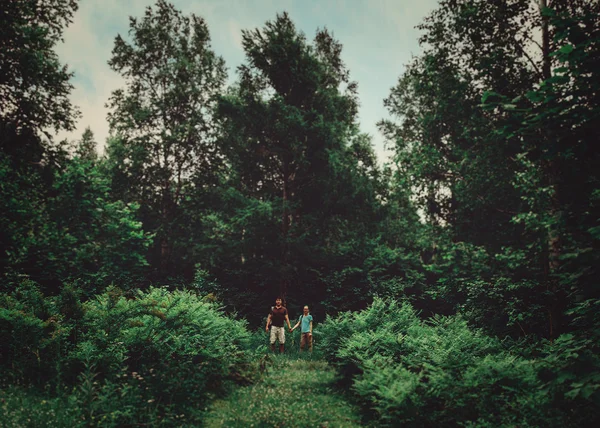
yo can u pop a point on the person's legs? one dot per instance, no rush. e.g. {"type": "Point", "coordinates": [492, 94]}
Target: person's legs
{"type": "Point", "coordinates": [302, 341]}
{"type": "Point", "coordinates": [273, 337]}
{"type": "Point", "coordinates": [281, 337]}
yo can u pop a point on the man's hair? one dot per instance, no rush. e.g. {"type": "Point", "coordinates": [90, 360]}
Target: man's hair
{"type": "Point", "coordinates": [279, 298]}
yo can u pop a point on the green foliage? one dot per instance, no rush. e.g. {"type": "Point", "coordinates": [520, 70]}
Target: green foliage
{"type": "Point", "coordinates": [495, 144]}
{"type": "Point", "coordinates": [306, 179]}
{"type": "Point", "coordinates": [127, 360]}
{"type": "Point", "coordinates": [86, 147]}
{"type": "Point", "coordinates": [293, 393]}
{"type": "Point", "coordinates": [22, 213]}
{"type": "Point", "coordinates": [34, 338]}
{"type": "Point", "coordinates": [173, 78]}
{"type": "Point", "coordinates": [178, 334]}
{"type": "Point", "coordinates": [71, 232]}
{"type": "Point", "coordinates": [557, 171]}
{"type": "Point", "coordinates": [571, 365]}
{"type": "Point", "coordinates": [22, 407]}
{"type": "Point", "coordinates": [486, 221]}
{"type": "Point", "coordinates": [34, 85]}
{"type": "Point", "coordinates": [336, 330]}
{"type": "Point", "coordinates": [432, 373]}
{"type": "Point", "coordinates": [499, 305]}
{"type": "Point", "coordinates": [101, 240]}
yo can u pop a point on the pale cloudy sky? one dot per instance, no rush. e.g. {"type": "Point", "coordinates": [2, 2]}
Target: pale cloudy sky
{"type": "Point", "coordinates": [378, 37]}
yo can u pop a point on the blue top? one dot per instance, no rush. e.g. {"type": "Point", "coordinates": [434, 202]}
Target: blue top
{"type": "Point", "coordinates": [306, 320]}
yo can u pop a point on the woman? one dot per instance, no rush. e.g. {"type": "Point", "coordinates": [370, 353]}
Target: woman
{"type": "Point", "coordinates": [306, 320]}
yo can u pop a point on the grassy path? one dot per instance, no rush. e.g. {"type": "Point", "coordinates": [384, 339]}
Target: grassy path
{"type": "Point", "coordinates": [292, 393]}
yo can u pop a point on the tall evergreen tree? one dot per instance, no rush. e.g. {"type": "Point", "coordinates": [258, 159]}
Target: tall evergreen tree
{"type": "Point", "coordinates": [291, 138]}
{"type": "Point", "coordinates": [86, 147]}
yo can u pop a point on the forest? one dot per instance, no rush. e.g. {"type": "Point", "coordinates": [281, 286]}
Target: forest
{"type": "Point", "coordinates": [455, 285]}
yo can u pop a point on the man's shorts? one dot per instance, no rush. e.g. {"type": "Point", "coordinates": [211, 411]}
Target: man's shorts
{"type": "Point", "coordinates": [277, 333]}
{"type": "Point", "coordinates": [305, 338]}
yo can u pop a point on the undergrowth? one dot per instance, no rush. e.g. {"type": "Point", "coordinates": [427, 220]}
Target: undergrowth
{"type": "Point", "coordinates": [293, 392]}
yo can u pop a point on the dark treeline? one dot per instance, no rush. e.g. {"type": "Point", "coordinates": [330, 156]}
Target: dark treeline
{"type": "Point", "coordinates": [489, 209]}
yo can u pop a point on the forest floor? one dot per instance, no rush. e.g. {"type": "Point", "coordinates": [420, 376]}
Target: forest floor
{"type": "Point", "coordinates": [293, 392]}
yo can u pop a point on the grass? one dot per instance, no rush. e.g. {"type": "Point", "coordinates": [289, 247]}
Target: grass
{"type": "Point", "coordinates": [292, 390]}
{"type": "Point", "coordinates": [292, 393]}
{"type": "Point", "coordinates": [21, 407]}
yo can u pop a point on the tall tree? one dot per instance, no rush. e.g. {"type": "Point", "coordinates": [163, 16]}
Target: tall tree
{"type": "Point", "coordinates": [34, 100]}
{"type": "Point", "coordinates": [448, 150]}
{"type": "Point", "coordinates": [86, 147]}
{"type": "Point", "coordinates": [288, 129]}
{"type": "Point", "coordinates": [34, 85]}
{"type": "Point", "coordinates": [558, 166]}
{"type": "Point", "coordinates": [162, 117]}
{"type": "Point", "coordinates": [493, 177]}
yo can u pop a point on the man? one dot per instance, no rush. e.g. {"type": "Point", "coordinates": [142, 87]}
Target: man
{"type": "Point", "coordinates": [278, 315]}
{"type": "Point", "coordinates": [306, 330]}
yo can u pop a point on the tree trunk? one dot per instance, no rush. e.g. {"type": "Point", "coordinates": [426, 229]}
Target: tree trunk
{"type": "Point", "coordinates": [552, 253]}
{"type": "Point", "coordinates": [164, 256]}
{"type": "Point", "coordinates": [165, 249]}
{"type": "Point", "coordinates": [546, 68]}
{"type": "Point", "coordinates": [284, 282]}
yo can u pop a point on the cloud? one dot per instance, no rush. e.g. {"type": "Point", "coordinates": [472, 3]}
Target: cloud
{"type": "Point", "coordinates": [87, 49]}
{"type": "Point", "coordinates": [379, 39]}
{"type": "Point", "coordinates": [235, 34]}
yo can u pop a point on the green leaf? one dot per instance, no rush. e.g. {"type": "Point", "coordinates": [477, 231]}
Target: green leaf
{"type": "Point", "coordinates": [489, 96]}
{"type": "Point", "coordinates": [534, 96]}
{"type": "Point", "coordinates": [566, 49]}
{"type": "Point", "coordinates": [560, 79]}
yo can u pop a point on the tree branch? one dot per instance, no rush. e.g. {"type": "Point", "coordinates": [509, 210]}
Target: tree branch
{"type": "Point", "coordinates": [531, 61]}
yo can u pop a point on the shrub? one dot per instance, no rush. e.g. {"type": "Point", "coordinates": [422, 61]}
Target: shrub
{"type": "Point", "coordinates": [180, 343]}
{"type": "Point", "coordinates": [33, 337]}
{"type": "Point", "coordinates": [438, 372]}
{"type": "Point", "coordinates": [154, 356]}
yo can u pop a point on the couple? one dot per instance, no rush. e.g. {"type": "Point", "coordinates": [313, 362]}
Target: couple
{"type": "Point", "coordinates": [278, 315]}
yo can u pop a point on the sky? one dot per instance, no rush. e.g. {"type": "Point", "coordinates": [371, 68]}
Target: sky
{"type": "Point", "coordinates": [379, 39]}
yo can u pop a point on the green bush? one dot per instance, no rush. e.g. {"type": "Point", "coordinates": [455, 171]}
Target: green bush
{"type": "Point", "coordinates": [335, 332]}
{"type": "Point", "coordinates": [570, 366]}
{"type": "Point", "coordinates": [438, 372]}
{"type": "Point", "coordinates": [33, 336]}
{"type": "Point", "coordinates": [174, 344]}
{"type": "Point", "coordinates": [119, 359]}
{"type": "Point", "coordinates": [500, 305]}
